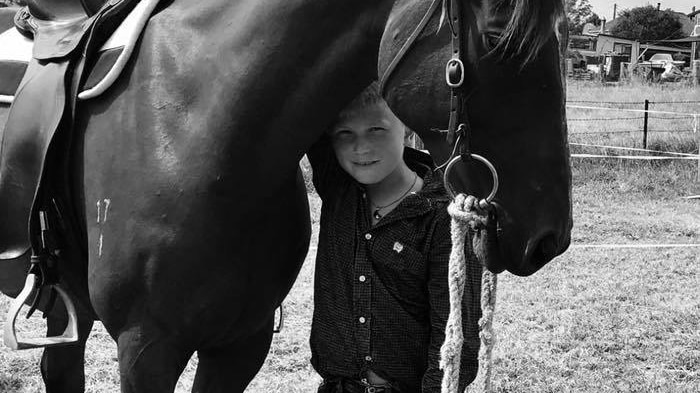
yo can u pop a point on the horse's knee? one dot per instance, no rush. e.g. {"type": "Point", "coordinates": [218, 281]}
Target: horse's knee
{"type": "Point", "coordinates": [149, 362]}
{"type": "Point", "coordinates": [231, 368]}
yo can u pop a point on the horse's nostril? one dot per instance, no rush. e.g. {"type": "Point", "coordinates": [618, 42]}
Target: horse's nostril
{"type": "Point", "coordinates": [545, 250]}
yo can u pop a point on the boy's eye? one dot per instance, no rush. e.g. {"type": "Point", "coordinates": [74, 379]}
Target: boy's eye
{"type": "Point", "coordinates": [342, 134]}
{"type": "Point", "coordinates": [377, 129]}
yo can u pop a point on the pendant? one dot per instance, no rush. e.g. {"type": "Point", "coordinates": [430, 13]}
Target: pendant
{"type": "Point", "coordinates": [376, 215]}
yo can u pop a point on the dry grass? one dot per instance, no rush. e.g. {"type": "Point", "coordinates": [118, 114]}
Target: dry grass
{"type": "Point", "coordinates": [594, 320]}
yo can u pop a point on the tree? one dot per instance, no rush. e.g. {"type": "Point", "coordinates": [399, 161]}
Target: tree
{"type": "Point", "coordinates": [578, 13]}
{"type": "Point", "coordinates": [648, 24]}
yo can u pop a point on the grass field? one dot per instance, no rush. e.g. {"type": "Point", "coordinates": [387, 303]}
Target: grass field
{"type": "Point", "coordinates": [593, 320]}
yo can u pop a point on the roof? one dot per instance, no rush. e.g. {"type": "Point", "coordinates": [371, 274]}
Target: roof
{"type": "Point", "coordinates": [681, 40]}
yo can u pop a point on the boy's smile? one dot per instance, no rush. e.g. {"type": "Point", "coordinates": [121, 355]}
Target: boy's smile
{"type": "Point", "coordinates": [368, 143]}
{"type": "Point", "coordinates": [366, 163]}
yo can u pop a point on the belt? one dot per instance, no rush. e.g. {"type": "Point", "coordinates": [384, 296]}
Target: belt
{"type": "Point", "coordinates": [346, 385]}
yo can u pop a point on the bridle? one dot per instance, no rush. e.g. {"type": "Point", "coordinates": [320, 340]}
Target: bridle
{"type": "Point", "coordinates": [458, 129]}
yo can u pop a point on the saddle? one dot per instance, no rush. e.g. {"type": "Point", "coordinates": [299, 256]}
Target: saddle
{"type": "Point", "coordinates": [57, 53]}
{"type": "Point", "coordinates": [64, 9]}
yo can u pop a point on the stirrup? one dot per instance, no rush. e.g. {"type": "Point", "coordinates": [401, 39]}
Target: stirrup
{"type": "Point", "coordinates": [69, 336]}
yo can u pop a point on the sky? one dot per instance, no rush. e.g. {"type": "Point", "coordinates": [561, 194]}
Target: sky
{"type": "Point", "coordinates": [604, 8]}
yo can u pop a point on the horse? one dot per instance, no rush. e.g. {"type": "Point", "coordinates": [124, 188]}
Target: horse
{"type": "Point", "coordinates": [192, 219]}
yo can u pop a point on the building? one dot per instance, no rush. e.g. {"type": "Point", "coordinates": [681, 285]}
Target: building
{"type": "Point", "coordinates": [596, 41]}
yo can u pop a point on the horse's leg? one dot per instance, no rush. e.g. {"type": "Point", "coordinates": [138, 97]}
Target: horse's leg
{"type": "Point", "coordinates": [63, 368]}
{"type": "Point", "coordinates": [230, 369]}
{"type": "Point", "coordinates": [149, 362]}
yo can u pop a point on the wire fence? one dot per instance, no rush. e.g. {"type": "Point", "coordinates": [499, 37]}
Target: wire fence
{"type": "Point", "coordinates": [631, 102]}
{"type": "Point", "coordinates": [587, 117]}
{"type": "Point", "coordinates": [670, 120]}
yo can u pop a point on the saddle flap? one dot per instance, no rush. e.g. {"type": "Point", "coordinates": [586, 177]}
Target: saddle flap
{"type": "Point", "coordinates": [24, 144]}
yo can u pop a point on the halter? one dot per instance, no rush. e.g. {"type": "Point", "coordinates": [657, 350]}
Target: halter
{"type": "Point", "coordinates": [458, 126]}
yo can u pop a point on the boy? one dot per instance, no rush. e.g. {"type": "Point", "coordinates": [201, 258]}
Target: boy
{"type": "Point", "coordinates": [381, 296]}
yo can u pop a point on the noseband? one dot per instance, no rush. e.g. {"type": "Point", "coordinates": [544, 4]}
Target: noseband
{"type": "Point", "coordinates": [458, 129]}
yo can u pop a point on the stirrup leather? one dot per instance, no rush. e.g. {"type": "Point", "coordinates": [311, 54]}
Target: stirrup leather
{"type": "Point", "coordinates": [69, 336]}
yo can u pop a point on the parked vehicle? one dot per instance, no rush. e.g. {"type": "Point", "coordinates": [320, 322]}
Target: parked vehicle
{"type": "Point", "coordinates": [660, 60]}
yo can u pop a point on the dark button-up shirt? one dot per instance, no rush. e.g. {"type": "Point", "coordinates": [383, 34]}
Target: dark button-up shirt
{"type": "Point", "coordinates": [381, 298]}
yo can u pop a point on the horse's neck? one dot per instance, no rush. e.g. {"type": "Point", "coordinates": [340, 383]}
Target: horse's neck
{"type": "Point", "coordinates": [261, 78]}
{"type": "Point", "coordinates": [309, 59]}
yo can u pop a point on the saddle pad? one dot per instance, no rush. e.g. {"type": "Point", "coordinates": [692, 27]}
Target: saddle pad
{"type": "Point", "coordinates": [115, 53]}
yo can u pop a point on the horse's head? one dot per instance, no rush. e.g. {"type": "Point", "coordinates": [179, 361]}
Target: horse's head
{"type": "Point", "coordinates": [514, 105]}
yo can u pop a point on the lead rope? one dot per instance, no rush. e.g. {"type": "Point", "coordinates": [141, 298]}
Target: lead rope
{"type": "Point", "coordinates": [464, 217]}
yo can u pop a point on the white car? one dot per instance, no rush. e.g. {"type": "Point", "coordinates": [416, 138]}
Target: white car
{"type": "Point", "coordinates": [660, 59]}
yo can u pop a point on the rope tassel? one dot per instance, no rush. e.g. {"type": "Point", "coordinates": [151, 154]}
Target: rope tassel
{"type": "Point", "coordinates": [482, 382]}
{"type": "Point", "coordinates": [465, 216]}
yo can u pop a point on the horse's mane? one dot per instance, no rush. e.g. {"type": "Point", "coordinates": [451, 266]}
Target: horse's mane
{"type": "Point", "coordinates": [531, 25]}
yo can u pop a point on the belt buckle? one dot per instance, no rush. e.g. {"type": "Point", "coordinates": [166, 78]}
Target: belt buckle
{"type": "Point", "coordinates": [369, 388]}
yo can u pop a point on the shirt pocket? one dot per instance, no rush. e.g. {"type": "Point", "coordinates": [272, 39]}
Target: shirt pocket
{"type": "Point", "coordinates": [403, 271]}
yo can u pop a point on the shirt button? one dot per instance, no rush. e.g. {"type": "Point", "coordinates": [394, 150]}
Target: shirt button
{"type": "Point", "coordinates": [362, 278]}
{"type": "Point", "coordinates": [362, 320]}
{"type": "Point", "coordinates": [368, 358]}
{"type": "Point", "coordinates": [368, 236]}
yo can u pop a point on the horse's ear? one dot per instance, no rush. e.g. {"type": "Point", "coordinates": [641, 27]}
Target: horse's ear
{"type": "Point", "coordinates": [530, 27]}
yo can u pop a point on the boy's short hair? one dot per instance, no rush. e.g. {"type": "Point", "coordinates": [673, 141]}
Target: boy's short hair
{"type": "Point", "coordinates": [368, 97]}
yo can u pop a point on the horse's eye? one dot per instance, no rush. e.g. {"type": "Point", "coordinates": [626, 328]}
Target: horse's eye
{"type": "Point", "coordinates": [491, 39]}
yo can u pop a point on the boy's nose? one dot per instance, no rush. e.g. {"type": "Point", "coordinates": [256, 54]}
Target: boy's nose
{"type": "Point", "coordinates": [362, 146]}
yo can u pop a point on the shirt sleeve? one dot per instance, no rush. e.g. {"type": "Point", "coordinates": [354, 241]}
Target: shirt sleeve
{"type": "Point", "coordinates": [439, 298]}
{"type": "Point", "coordinates": [327, 173]}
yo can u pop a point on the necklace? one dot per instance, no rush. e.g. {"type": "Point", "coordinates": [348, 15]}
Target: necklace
{"type": "Point", "coordinates": [377, 215]}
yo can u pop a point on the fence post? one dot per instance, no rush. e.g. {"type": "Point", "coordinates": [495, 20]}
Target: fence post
{"type": "Point", "coordinates": [646, 122]}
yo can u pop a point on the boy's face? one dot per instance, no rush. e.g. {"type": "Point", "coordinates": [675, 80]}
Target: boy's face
{"type": "Point", "coordinates": [368, 143]}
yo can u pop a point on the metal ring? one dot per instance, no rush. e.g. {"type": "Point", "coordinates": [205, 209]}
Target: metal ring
{"type": "Point", "coordinates": [461, 73]}
{"type": "Point", "coordinates": [477, 157]}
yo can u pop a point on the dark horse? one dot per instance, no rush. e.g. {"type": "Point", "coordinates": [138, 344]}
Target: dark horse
{"type": "Point", "coordinates": [195, 220]}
